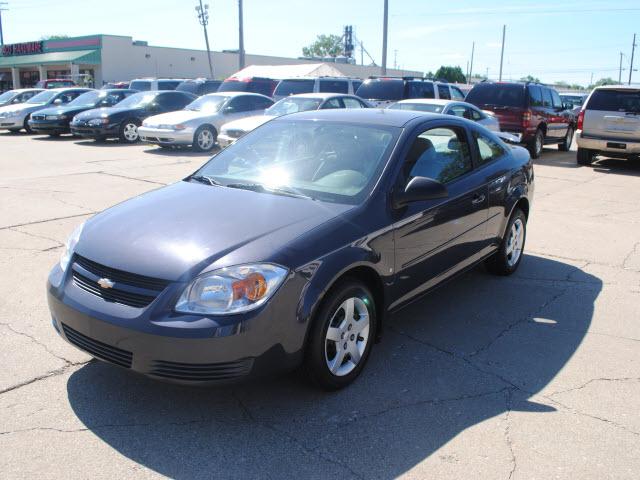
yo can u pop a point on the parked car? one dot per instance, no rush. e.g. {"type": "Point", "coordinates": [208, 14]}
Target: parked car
{"type": "Point", "coordinates": [20, 95]}
{"type": "Point", "coordinates": [531, 111]}
{"type": "Point", "coordinates": [265, 259]}
{"type": "Point", "coordinates": [298, 85]}
{"type": "Point", "coordinates": [112, 85]}
{"type": "Point", "coordinates": [261, 85]}
{"type": "Point", "coordinates": [383, 91]}
{"type": "Point", "coordinates": [232, 131]}
{"type": "Point", "coordinates": [199, 86]}
{"type": "Point", "coordinates": [199, 123]}
{"type": "Point", "coordinates": [16, 117]}
{"type": "Point", "coordinates": [450, 107]}
{"type": "Point", "coordinates": [152, 84]}
{"type": "Point", "coordinates": [609, 124]}
{"type": "Point", "coordinates": [56, 120]}
{"type": "Point", "coordinates": [123, 119]}
{"type": "Point", "coordinates": [573, 101]}
{"type": "Point", "coordinates": [55, 83]}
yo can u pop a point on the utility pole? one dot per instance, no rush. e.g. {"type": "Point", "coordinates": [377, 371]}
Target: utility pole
{"type": "Point", "coordinates": [620, 70]}
{"type": "Point", "coordinates": [504, 30]}
{"type": "Point", "coordinates": [2, 9]}
{"type": "Point", "coordinates": [203, 18]}
{"type": "Point", "coordinates": [633, 50]}
{"type": "Point", "coordinates": [395, 59]}
{"type": "Point", "coordinates": [240, 37]}
{"type": "Point", "coordinates": [473, 48]}
{"type": "Point", "coordinates": [385, 23]}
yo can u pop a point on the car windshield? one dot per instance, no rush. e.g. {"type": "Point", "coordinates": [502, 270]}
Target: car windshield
{"type": "Point", "coordinates": [499, 94]}
{"type": "Point", "coordinates": [615, 101]}
{"type": "Point", "coordinates": [208, 103]}
{"type": "Point", "coordinates": [88, 99]}
{"type": "Point", "coordinates": [381, 89]}
{"type": "Point", "coordinates": [331, 161]}
{"type": "Point", "coordinates": [141, 85]}
{"type": "Point", "coordinates": [420, 107]}
{"type": "Point", "coordinates": [575, 100]}
{"type": "Point", "coordinates": [7, 96]}
{"type": "Point", "coordinates": [42, 97]}
{"type": "Point", "coordinates": [294, 87]}
{"type": "Point", "coordinates": [137, 100]}
{"type": "Point", "coordinates": [293, 105]}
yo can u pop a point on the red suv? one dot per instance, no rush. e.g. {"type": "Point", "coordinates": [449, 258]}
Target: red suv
{"type": "Point", "coordinates": [531, 111]}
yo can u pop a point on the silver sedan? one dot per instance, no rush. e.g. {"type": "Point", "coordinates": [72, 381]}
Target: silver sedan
{"type": "Point", "coordinates": [450, 107]}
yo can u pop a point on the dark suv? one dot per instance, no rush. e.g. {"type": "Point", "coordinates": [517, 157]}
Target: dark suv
{"type": "Point", "coordinates": [383, 91]}
{"type": "Point", "coordinates": [261, 85]}
{"type": "Point", "coordinates": [531, 111]}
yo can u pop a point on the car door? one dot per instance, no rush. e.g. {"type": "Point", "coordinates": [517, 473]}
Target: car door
{"type": "Point", "coordinates": [547, 113]}
{"type": "Point", "coordinates": [443, 92]}
{"type": "Point", "coordinates": [560, 119]}
{"type": "Point", "coordinates": [436, 238]}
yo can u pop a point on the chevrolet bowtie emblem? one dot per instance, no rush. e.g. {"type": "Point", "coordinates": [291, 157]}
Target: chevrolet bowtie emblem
{"type": "Point", "coordinates": [106, 283]}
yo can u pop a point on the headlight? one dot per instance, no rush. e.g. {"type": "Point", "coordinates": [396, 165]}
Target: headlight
{"type": "Point", "coordinates": [98, 121]}
{"type": "Point", "coordinates": [69, 247]}
{"type": "Point", "coordinates": [55, 117]}
{"type": "Point", "coordinates": [231, 290]}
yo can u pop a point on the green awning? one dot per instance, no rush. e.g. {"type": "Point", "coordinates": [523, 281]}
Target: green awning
{"type": "Point", "coordinates": [78, 56]}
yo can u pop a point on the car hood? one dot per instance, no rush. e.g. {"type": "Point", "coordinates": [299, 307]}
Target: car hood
{"type": "Point", "coordinates": [176, 231]}
{"type": "Point", "coordinates": [106, 112]}
{"type": "Point", "coordinates": [247, 124]}
{"type": "Point", "coordinates": [23, 107]}
{"type": "Point", "coordinates": [62, 110]}
{"type": "Point", "coordinates": [173, 118]}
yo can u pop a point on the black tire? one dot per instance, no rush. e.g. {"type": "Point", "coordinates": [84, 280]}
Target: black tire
{"type": "Point", "coordinates": [211, 136]}
{"type": "Point", "coordinates": [54, 135]}
{"type": "Point", "coordinates": [565, 145]}
{"type": "Point", "coordinates": [584, 156]}
{"type": "Point", "coordinates": [315, 362]}
{"type": "Point", "coordinates": [26, 126]}
{"type": "Point", "coordinates": [535, 146]}
{"type": "Point", "coordinates": [123, 132]}
{"type": "Point", "coordinates": [500, 263]}
{"type": "Point", "coordinates": [14, 130]}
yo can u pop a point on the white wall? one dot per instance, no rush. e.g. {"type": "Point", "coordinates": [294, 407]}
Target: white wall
{"type": "Point", "coordinates": [121, 61]}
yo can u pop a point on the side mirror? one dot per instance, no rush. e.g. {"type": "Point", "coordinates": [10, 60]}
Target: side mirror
{"type": "Point", "coordinates": [420, 188]}
{"type": "Point", "coordinates": [228, 109]}
{"type": "Point", "coordinates": [154, 107]}
{"type": "Point", "coordinates": [57, 101]}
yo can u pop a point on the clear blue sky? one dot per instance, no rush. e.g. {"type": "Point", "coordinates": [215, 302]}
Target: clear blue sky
{"type": "Point", "coordinates": [549, 39]}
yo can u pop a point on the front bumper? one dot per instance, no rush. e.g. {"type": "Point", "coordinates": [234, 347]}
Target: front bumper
{"type": "Point", "coordinates": [91, 131]}
{"type": "Point", "coordinates": [614, 146]}
{"type": "Point", "coordinates": [175, 347]}
{"type": "Point", "coordinates": [161, 136]}
{"type": "Point", "coordinates": [226, 140]}
{"type": "Point", "coordinates": [11, 122]}
{"type": "Point", "coordinates": [49, 126]}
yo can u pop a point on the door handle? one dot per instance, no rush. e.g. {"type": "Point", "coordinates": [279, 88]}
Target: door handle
{"type": "Point", "coordinates": [478, 199]}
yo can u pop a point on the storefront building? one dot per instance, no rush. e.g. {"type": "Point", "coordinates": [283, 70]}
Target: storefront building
{"type": "Point", "coordinates": [97, 59]}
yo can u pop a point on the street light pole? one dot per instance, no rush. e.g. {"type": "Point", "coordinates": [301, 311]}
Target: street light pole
{"type": "Point", "coordinates": [633, 50]}
{"type": "Point", "coordinates": [203, 18]}
{"type": "Point", "coordinates": [240, 37]}
{"type": "Point", "coordinates": [385, 23]}
{"type": "Point", "coordinates": [504, 30]}
{"type": "Point", "coordinates": [2, 4]}
{"type": "Point", "coordinates": [473, 48]}
{"type": "Point", "coordinates": [620, 70]}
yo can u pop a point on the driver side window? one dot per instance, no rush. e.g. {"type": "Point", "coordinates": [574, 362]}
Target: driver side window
{"type": "Point", "coordinates": [441, 154]}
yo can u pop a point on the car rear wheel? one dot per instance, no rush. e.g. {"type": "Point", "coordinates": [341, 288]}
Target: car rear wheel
{"type": "Point", "coordinates": [565, 145]}
{"type": "Point", "coordinates": [341, 336]}
{"type": "Point", "coordinates": [129, 131]}
{"type": "Point", "coordinates": [54, 135]}
{"type": "Point", "coordinates": [508, 257]}
{"type": "Point", "coordinates": [204, 139]}
{"type": "Point", "coordinates": [584, 156]}
{"type": "Point", "coordinates": [535, 147]}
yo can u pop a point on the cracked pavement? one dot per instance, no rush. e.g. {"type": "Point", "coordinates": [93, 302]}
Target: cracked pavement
{"type": "Point", "coordinates": [532, 376]}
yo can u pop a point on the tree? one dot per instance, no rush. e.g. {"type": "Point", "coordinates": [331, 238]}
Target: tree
{"type": "Point", "coordinates": [450, 74]}
{"type": "Point", "coordinates": [429, 75]}
{"type": "Point", "coordinates": [604, 81]}
{"type": "Point", "coordinates": [54, 37]}
{"type": "Point", "coordinates": [529, 78]}
{"type": "Point", "coordinates": [324, 46]}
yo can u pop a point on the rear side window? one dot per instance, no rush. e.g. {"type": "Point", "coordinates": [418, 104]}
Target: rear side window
{"type": "Point", "coordinates": [260, 103]}
{"type": "Point", "coordinates": [334, 86]}
{"type": "Point", "coordinates": [615, 101]}
{"type": "Point", "coordinates": [535, 96]}
{"type": "Point", "coordinates": [356, 84]}
{"type": "Point", "coordinates": [263, 87]}
{"type": "Point", "coordinates": [547, 102]}
{"type": "Point", "coordinates": [378, 89]}
{"type": "Point", "coordinates": [443, 92]}
{"type": "Point", "coordinates": [140, 85]}
{"type": "Point", "coordinates": [498, 94]}
{"type": "Point", "coordinates": [557, 101]}
{"type": "Point", "coordinates": [351, 103]}
{"type": "Point", "coordinates": [168, 84]}
{"type": "Point", "coordinates": [489, 149]}
{"type": "Point", "coordinates": [294, 87]}
{"type": "Point", "coordinates": [439, 153]}
{"type": "Point", "coordinates": [415, 90]}
{"type": "Point", "coordinates": [456, 93]}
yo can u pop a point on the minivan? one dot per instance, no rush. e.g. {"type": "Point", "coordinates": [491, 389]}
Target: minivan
{"type": "Point", "coordinates": [147, 84]}
{"type": "Point", "coordinates": [261, 85]}
{"type": "Point", "coordinates": [298, 85]}
{"type": "Point", "coordinates": [383, 91]}
{"type": "Point", "coordinates": [532, 112]}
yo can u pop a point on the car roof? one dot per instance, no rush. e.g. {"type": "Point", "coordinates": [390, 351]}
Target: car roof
{"type": "Point", "coordinates": [321, 95]}
{"type": "Point", "coordinates": [618, 87]}
{"type": "Point", "coordinates": [368, 116]}
{"type": "Point", "coordinates": [27, 90]}
{"type": "Point", "coordinates": [431, 101]}
{"type": "Point", "coordinates": [235, 94]}
{"type": "Point", "coordinates": [66, 89]}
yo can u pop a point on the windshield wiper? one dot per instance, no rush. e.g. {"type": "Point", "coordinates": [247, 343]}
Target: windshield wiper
{"type": "Point", "coordinates": [258, 187]}
{"type": "Point", "coordinates": [205, 179]}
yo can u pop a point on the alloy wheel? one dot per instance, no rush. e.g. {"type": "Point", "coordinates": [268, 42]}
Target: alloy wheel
{"type": "Point", "coordinates": [131, 132]}
{"type": "Point", "coordinates": [205, 139]}
{"type": "Point", "coordinates": [515, 242]}
{"type": "Point", "coordinates": [347, 336]}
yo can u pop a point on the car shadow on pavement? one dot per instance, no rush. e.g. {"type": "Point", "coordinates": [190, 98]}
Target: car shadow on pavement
{"type": "Point", "coordinates": [618, 166]}
{"type": "Point", "coordinates": [49, 138]}
{"type": "Point", "coordinates": [87, 142]}
{"type": "Point", "coordinates": [480, 347]}
{"type": "Point", "coordinates": [181, 152]}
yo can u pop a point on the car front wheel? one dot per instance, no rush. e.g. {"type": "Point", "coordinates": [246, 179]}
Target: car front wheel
{"type": "Point", "coordinates": [509, 255]}
{"type": "Point", "coordinates": [341, 336]}
{"type": "Point", "coordinates": [204, 139]}
{"type": "Point", "coordinates": [535, 147]}
{"type": "Point", "coordinates": [129, 131]}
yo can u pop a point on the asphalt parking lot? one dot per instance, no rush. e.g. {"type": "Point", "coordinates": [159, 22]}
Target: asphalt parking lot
{"type": "Point", "coordinates": [532, 376]}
